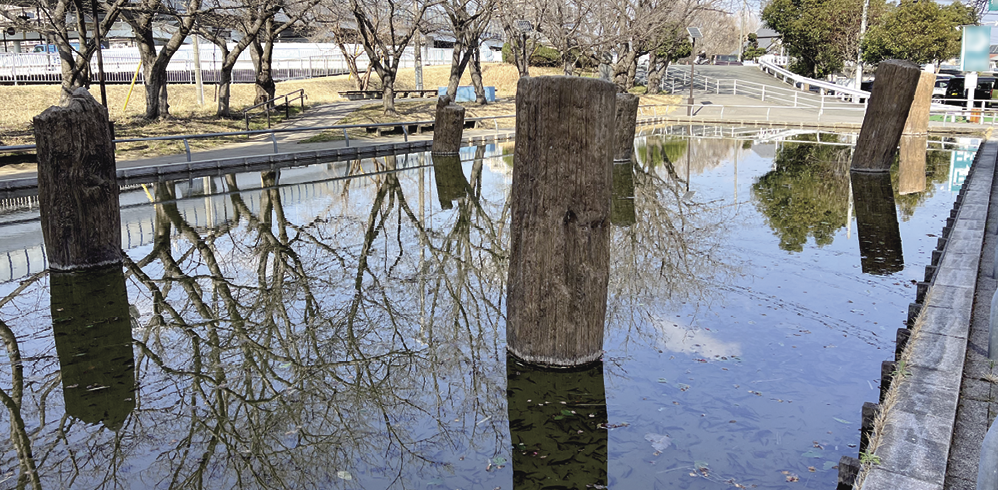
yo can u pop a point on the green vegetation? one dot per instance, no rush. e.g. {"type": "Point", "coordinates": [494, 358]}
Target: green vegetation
{"type": "Point", "coordinates": [819, 34]}
{"type": "Point", "coordinates": [753, 51]}
{"type": "Point", "coordinates": [920, 32]}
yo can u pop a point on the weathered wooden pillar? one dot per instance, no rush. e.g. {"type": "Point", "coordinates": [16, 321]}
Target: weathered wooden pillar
{"type": "Point", "coordinates": [560, 230]}
{"type": "Point", "coordinates": [448, 128]}
{"type": "Point", "coordinates": [449, 176]}
{"type": "Point", "coordinates": [622, 202]}
{"type": "Point", "coordinates": [890, 102]}
{"type": "Point", "coordinates": [911, 164]}
{"type": "Point", "coordinates": [77, 185]}
{"type": "Point", "coordinates": [557, 422]}
{"type": "Point", "coordinates": [877, 223]}
{"type": "Point", "coordinates": [918, 116]}
{"type": "Point", "coordinates": [93, 338]}
{"type": "Point", "coordinates": [626, 125]}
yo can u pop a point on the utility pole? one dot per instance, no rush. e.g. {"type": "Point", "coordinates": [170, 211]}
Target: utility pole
{"type": "Point", "coordinates": [418, 50]}
{"type": "Point", "coordinates": [859, 52]}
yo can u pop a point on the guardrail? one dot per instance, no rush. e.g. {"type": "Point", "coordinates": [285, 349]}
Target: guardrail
{"type": "Point", "coordinates": [273, 133]}
{"type": "Point", "coordinates": [778, 71]}
{"type": "Point", "coordinates": [269, 105]}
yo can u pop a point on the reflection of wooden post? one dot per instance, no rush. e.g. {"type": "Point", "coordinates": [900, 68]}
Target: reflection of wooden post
{"type": "Point", "coordinates": [449, 175]}
{"type": "Point", "coordinates": [448, 127]}
{"type": "Point", "coordinates": [557, 422]}
{"type": "Point", "coordinates": [93, 337]}
{"type": "Point", "coordinates": [890, 102]}
{"type": "Point", "coordinates": [877, 223]}
{"type": "Point", "coordinates": [911, 165]}
{"type": "Point", "coordinates": [625, 126]}
{"type": "Point", "coordinates": [918, 115]}
{"type": "Point", "coordinates": [77, 186]}
{"type": "Point", "coordinates": [622, 203]}
{"type": "Point", "coordinates": [560, 235]}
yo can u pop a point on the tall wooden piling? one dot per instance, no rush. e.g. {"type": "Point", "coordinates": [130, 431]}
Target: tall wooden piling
{"type": "Point", "coordinates": [77, 185]}
{"type": "Point", "coordinates": [448, 127]}
{"type": "Point", "coordinates": [918, 116]}
{"type": "Point", "coordinates": [626, 125]}
{"type": "Point", "coordinates": [890, 102]}
{"type": "Point", "coordinates": [560, 230]}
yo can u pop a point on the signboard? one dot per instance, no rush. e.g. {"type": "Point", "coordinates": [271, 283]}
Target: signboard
{"type": "Point", "coordinates": [975, 48]}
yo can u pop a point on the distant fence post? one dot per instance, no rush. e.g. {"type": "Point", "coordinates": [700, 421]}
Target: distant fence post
{"type": "Point", "coordinates": [889, 104]}
{"type": "Point", "coordinates": [560, 229]}
{"type": "Point", "coordinates": [448, 127]}
{"type": "Point", "coordinates": [77, 185]}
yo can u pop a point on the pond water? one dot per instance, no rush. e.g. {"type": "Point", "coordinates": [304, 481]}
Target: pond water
{"type": "Point", "coordinates": [342, 325]}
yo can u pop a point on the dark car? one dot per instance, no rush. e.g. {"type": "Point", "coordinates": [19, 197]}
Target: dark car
{"type": "Point", "coordinates": [955, 90]}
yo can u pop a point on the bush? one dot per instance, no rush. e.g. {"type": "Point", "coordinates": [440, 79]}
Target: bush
{"type": "Point", "coordinates": [543, 56]}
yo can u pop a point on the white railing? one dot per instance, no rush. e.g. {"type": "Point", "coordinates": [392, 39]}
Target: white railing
{"type": "Point", "coordinates": [824, 86]}
{"type": "Point", "coordinates": [289, 63]}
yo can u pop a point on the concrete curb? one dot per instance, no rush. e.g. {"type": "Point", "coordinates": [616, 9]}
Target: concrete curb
{"type": "Point", "coordinates": [913, 434]}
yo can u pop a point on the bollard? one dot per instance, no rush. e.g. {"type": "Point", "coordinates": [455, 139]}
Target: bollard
{"type": "Point", "coordinates": [448, 128]}
{"type": "Point", "coordinates": [866, 426]}
{"type": "Point", "coordinates": [77, 185]}
{"type": "Point", "coordinates": [889, 104]}
{"type": "Point", "coordinates": [560, 225]}
{"type": "Point", "coordinates": [993, 329]}
{"type": "Point", "coordinates": [901, 342]}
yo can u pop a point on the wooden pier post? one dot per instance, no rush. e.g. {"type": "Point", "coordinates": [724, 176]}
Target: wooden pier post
{"type": "Point", "coordinates": [626, 125]}
{"type": "Point", "coordinates": [886, 114]}
{"type": "Point", "coordinates": [93, 338]}
{"type": "Point", "coordinates": [560, 231]}
{"type": "Point", "coordinates": [448, 128]}
{"type": "Point", "coordinates": [918, 116]}
{"type": "Point", "coordinates": [557, 422]}
{"type": "Point", "coordinates": [77, 185]}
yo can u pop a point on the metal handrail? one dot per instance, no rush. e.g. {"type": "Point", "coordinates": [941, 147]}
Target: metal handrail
{"type": "Point", "coordinates": [855, 92]}
{"type": "Point", "coordinates": [270, 104]}
{"type": "Point", "coordinates": [273, 133]}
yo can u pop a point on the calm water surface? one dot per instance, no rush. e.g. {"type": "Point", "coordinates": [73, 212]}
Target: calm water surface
{"type": "Point", "coordinates": [342, 326]}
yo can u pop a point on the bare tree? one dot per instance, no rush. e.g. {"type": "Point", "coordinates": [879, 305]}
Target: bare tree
{"type": "Point", "coordinates": [145, 17]}
{"type": "Point", "coordinates": [468, 21]}
{"type": "Point", "coordinates": [521, 21]}
{"type": "Point", "coordinates": [386, 28]}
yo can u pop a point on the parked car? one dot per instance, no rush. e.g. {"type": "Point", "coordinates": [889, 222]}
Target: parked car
{"type": "Point", "coordinates": [939, 89]}
{"type": "Point", "coordinates": [956, 92]}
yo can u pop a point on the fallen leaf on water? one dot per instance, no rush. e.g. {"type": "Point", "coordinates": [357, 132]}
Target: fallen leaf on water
{"type": "Point", "coordinates": [658, 441]}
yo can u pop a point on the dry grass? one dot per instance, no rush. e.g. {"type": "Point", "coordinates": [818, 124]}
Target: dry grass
{"type": "Point", "coordinates": [24, 102]}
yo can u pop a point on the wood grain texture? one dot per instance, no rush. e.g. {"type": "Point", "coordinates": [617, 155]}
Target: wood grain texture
{"type": "Point", "coordinates": [560, 242]}
{"type": "Point", "coordinates": [77, 185]}
{"type": "Point", "coordinates": [626, 125]}
{"type": "Point", "coordinates": [886, 114]}
{"type": "Point", "coordinates": [918, 115]}
{"type": "Point", "coordinates": [448, 128]}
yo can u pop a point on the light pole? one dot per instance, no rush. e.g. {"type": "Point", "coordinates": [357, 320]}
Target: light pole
{"type": "Point", "coordinates": [694, 35]}
{"type": "Point", "coordinates": [524, 26]}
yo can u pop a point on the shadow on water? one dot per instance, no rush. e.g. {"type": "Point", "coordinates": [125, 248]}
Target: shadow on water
{"type": "Point", "coordinates": [877, 223]}
{"type": "Point", "coordinates": [93, 337]}
{"type": "Point", "coordinates": [557, 421]}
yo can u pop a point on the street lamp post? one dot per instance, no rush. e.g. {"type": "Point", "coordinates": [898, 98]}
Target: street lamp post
{"type": "Point", "coordinates": [694, 35]}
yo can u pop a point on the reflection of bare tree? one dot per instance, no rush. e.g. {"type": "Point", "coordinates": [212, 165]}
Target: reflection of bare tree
{"type": "Point", "coordinates": [672, 253]}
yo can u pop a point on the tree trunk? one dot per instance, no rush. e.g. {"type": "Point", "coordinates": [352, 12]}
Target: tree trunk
{"type": "Point", "coordinates": [559, 235]}
{"type": "Point", "coordinates": [77, 185]}
{"type": "Point", "coordinates": [157, 102]}
{"type": "Point", "coordinates": [621, 69]}
{"type": "Point", "coordinates": [263, 55]}
{"type": "Point", "coordinates": [476, 76]}
{"type": "Point", "coordinates": [653, 85]}
{"type": "Point", "coordinates": [459, 61]}
{"type": "Point", "coordinates": [224, 91]}
{"type": "Point", "coordinates": [388, 92]}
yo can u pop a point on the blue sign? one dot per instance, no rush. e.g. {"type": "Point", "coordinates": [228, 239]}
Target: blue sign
{"type": "Point", "coordinates": [959, 167]}
{"type": "Point", "coordinates": [975, 50]}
